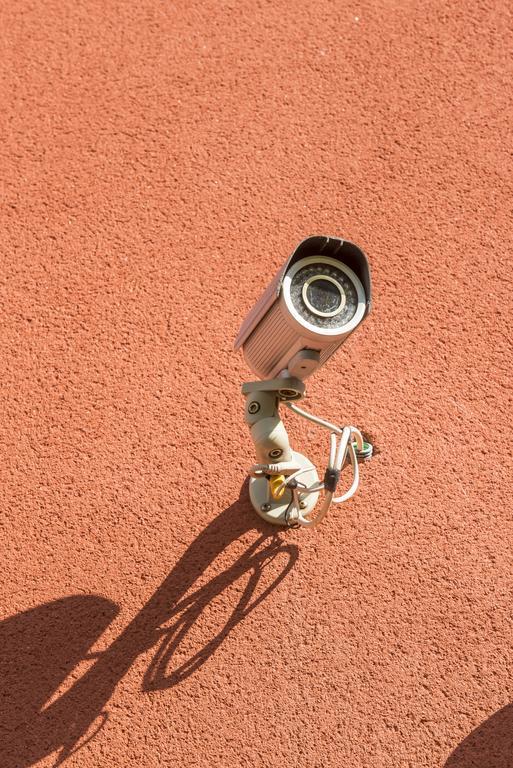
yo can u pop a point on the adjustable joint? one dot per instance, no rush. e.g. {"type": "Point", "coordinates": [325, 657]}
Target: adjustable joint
{"type": "Point", "coordinates": [273, 494]}
{"type": "Point", "coordinates": [331, 478]}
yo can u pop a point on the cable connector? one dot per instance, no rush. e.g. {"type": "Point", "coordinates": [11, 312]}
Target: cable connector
{"type": "Point", "coordinates": [331, 478]}
{"type": "Point", "coordinates": [365, 452]}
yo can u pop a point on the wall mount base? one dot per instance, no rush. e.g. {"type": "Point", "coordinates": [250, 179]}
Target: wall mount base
{"type": "Point", "coordinates": [275, 512]}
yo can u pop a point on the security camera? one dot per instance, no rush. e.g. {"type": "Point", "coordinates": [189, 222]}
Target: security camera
{"type": "Point", "coordinates": [317, 299]}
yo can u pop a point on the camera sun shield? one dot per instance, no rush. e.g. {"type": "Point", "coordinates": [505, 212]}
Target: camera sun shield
{"type": "Point", "coordinates": [321, 294]}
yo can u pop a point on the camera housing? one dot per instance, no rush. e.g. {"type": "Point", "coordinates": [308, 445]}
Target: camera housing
{"type": "Point", "coordinates": [315, 301]}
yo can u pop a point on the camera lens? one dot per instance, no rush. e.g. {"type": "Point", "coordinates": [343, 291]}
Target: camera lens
{"type": "Point", "coordinates": [323, 295]}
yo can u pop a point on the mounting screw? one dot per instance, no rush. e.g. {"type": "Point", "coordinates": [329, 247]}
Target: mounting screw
{"type": "Point", "coordinates": [253, 407]}
{"type": "Point", "coordinates": [302, 505]}
{"type": "Point", "coordinates": [265, 507]}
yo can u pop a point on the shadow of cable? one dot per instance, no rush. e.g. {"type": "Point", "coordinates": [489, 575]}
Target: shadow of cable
{"type": "Point", "coordinates": [256, 559]}
{"type": "Point", "coordinates": [490, 745]}
{"type": "Point", "coordinates": [41, 647]}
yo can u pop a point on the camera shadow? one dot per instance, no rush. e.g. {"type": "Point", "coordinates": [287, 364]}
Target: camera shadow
{"type": "Point", "coordinates": [41, 647]}
{"type": "Point", "coordinates": [490, 745]}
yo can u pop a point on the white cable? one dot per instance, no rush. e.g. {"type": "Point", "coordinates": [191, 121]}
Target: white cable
{"type": "Point", "coordinates": [337, 457]}
{"type": "Point", "coordinates": [313, 522]}
{"type": "Point", "coordinates": [333, 450]}
{"type": "Point", "coordinates": [359, 438]}
{"type": "Point", "coordinates": [315, 419]}
{"type": "Point", "coordinates": [342, 448]}
{"type": "Point", "coordinates": [312, 489]}
{"type": "Point", "coordinates": [356, 478]}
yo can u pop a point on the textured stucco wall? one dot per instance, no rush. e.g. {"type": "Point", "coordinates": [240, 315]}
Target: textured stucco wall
{"type": "Point", "coordinates": [158, 161]}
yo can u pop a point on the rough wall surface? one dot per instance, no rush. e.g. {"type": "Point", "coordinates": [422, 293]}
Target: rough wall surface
{"type": "Point", "coordinates": [158, 161]}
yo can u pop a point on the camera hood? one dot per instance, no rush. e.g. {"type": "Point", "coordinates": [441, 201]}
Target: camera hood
{"type": "Point", "coordinates": [316, 245]}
